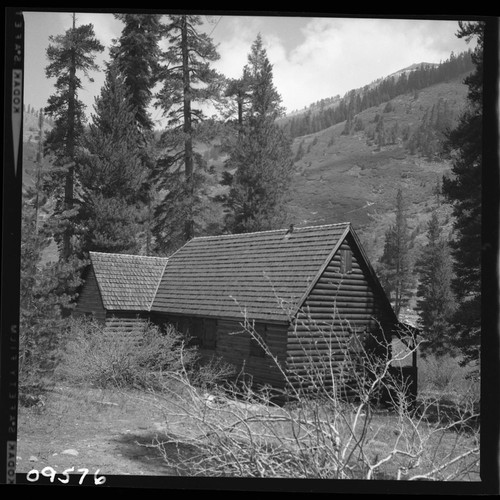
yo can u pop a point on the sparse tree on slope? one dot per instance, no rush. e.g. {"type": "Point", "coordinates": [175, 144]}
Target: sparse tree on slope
{"type": "Point", "coordinates": [395, 271]}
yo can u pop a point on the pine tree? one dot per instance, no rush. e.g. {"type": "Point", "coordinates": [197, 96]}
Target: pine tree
{"type": "Point", "coordinates": [300, 150]}
{"type": "Point", "coordinates": [258, 193]}
{"type": "Point", "coordinates": [358, 124]}
{"type": "Point", "coordinates": [136, 54]}
{"type": "Point", "coordinates": [380, 133]}
{"type": "Point", "coordinates": [348, 126]}
{"type": "Point", "coordinates": [68, 54]}
{"type": "Point", "coordinates": [262, 157]}
{"type": "Point", "coordinates": [238, 89]}
{"type": "Point", "coordinates": [435, 303]}
{"type": "Point", "coordinates": [46, 295]}
{"type": "Point", "coordinates": [438, 190]}
{"type": "Point", "coordinates": [188, 80]}
{"type": "Point", "coordinates": [395, 270]}
{"type": "Point", "coordinates": [265, 101]}
{"type": "Point", "coordinates": [463, 190]}
{"type": "Point", "coordinates": [113, 174]}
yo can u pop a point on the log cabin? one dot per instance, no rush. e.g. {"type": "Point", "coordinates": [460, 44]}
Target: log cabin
{"type": "Point", "coordinates": [296, 297]}
{"type": "Point", "coordinates": [118, 291]}
{"type": "Point", "coordinates": [277, 305]}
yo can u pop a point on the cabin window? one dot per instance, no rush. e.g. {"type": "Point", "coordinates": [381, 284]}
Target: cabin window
{"type": "Point", "coordinates": [258, 345]}
{"type": "Point", "coordinates": [346, 261]}
{"type": "Point", "coordinates": [204, 331]}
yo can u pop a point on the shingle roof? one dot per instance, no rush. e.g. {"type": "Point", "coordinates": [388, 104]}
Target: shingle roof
{"type": "Point", "coordinates": [127, 282]}
{"type": "Point", "coordinates": [264, 272]}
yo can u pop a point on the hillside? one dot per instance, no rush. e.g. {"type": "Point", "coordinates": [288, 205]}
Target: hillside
{"type": "Point", "coordinates": [350, 177]}
{"type": "Point", "coordinates": [30, 142]}
{"type": "Point", "coordinates": [328, 112]}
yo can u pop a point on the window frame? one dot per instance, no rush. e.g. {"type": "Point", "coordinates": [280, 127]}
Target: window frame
{"type": "Point", "coordinates": [345, 261]}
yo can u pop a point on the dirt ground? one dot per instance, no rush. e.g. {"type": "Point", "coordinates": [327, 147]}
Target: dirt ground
{"type": "Point", "coordinates": [107, 432]}
{"type": "Point", "coordinates": [113, 434]}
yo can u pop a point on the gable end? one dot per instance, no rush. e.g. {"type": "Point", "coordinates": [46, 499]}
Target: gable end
{"type": "Point", "coordinates": [322, 269]}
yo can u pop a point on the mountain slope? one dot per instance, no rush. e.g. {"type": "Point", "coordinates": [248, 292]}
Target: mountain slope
{"type": "Point", "coordinates": [30, 143]}
{"type": "Point", "coordinates": [350, 177]}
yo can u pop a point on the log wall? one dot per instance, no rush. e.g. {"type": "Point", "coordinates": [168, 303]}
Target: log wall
{"type": "Point", "coordinates": [339, 306]}
{"type": "Point", "coordinates": [89, 301]}
{"type": "Point", "coordinates": [126, 326]}
{"type": "Point", "coordinates": [234, 345]}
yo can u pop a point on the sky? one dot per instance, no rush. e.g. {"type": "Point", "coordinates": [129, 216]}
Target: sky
{"type": "Point", "coordinates": [313, 58]}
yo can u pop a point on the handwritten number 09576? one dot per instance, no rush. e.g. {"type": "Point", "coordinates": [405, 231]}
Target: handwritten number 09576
{"type": "Point", "coordinates": [51, 473]}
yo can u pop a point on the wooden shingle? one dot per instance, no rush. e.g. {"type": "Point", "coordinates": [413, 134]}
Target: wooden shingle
{"type": "Point", "coordinates": [265, 273]}
{"type": "Point", "coordinates": [127, 282]}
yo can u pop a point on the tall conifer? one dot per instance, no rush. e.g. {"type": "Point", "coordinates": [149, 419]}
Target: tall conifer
{"type": "Point", "coordinates": [136, 55]}
{"type": "Point", "coordinates": [187, 81]}
{"type": "Point", "coordinates": [112, 174]}
{"type": "Point", "coordinates": [435, 303]}
{"type": "Point", "coordinates": [463, 190]}
{"type": "Point", "coordinates": [69, 54]}
{"type": "Point", "coordinates": [262, 156]}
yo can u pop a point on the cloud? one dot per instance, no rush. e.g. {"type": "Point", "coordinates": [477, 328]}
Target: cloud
{"type": "Point", "coordinates": [338, 55]}
{"type": "Point", "coordinates": [234, 44]}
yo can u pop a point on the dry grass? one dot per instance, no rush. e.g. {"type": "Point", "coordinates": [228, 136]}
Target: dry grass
{"type": "Point", "coordinates": [445, 375]}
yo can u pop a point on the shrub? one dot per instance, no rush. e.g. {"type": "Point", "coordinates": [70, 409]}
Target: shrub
{"type": "Point", "coordinates": [208, 374]}
{"type": "Point", "coordinates": [443, 373]}
{"type": "Point", "coordinates": [102, 359]}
